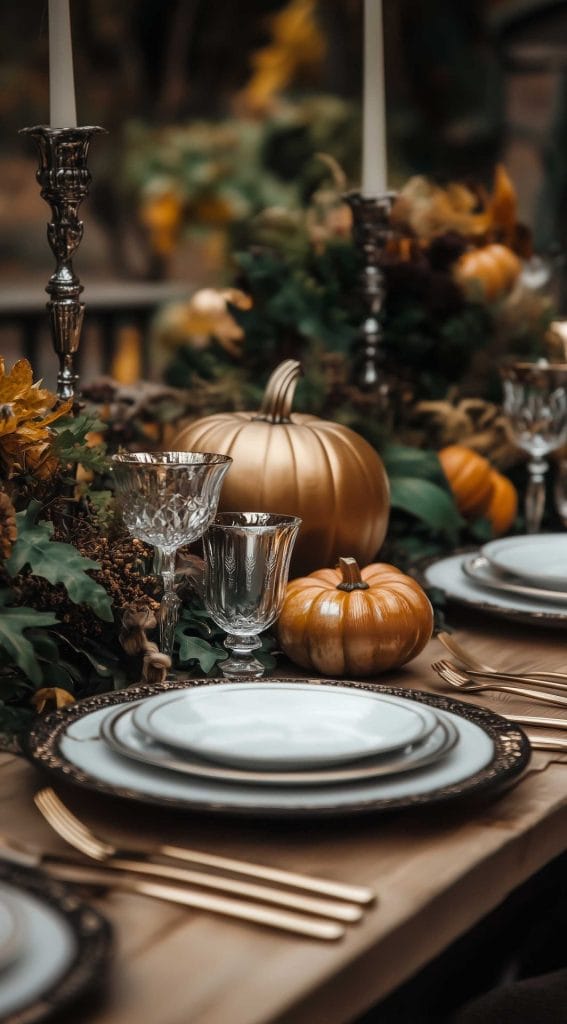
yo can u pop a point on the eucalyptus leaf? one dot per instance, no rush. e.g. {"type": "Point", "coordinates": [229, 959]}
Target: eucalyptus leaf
{"type": "Point", "coordinates": [402, 460]}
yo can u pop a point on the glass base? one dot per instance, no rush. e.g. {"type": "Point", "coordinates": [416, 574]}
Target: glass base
{"type": "Point", "coordinates": [241, 668]}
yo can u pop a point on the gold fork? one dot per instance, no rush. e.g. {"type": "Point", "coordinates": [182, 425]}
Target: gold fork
{"type": "Point", "coordinates": [82, 838]}
{"type": "Point", "coordinates": [318, 886]}
{"type": "Point", "coordinates": [462, 681]}
{"type": "Point", "coordinates": [469, 660]}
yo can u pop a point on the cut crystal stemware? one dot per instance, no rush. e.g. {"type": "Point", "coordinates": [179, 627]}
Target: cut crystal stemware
{"type": "Point", "coordinates": [168, 499]}
{"type": "Point", "coordinates": [535, 400]}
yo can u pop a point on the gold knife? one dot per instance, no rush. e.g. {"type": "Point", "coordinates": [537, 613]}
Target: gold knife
{"type": "Point", "coordinates": [166, 873]}
{"type": "Point", "coordinates": [243, 910]}
{"type": "Point", "coordinates": [544, 721]}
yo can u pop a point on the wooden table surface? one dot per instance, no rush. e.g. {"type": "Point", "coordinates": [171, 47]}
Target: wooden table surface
{"type": "Point", "coordinates": [436, 873]}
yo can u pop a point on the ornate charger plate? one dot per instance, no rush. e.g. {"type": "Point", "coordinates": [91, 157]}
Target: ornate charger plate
{"type": "Point", "coordinates": [52, 914]}
{"type": "Point", "coordinates": [506, 753]}
{"type": "Point", "coordinates": [447, 575]}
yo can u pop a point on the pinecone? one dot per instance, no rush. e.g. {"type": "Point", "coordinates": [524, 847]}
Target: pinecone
{"type": "Point", "coordinates": [8, 527]}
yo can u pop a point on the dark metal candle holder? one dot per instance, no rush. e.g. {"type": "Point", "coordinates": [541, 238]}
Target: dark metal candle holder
{"type": "Point", "coordinates": [64, 180]}
{"type": "Point", "coordinates": [371, 231]}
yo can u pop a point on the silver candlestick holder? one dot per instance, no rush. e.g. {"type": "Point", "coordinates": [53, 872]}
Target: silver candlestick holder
{"type": "Point", "coordinates": [371, 231]}
{"type": "Point", "coordinates": [64, 180]}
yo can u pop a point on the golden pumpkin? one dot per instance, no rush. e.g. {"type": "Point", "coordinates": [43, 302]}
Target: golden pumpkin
{"type": "Point", "coordinates": [348, 622]}
{"type": "Point", "coordinates": [492, 268]}
{"type": "Point", "coordinates": [300, 465]}
{"type": "Point", "coordinates": [469, 476]}
{"type": "Point", "coordinates": [502, 506]}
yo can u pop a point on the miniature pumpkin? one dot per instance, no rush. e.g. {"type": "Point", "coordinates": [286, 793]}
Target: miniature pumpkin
{"type": "Point", "coordinates": [300, 465]}
{"type": "Point", "coordinates": [502, 506]}
{"type": "Point", "coordinates": [346, 621]}
{"type": "Point", "coordinates": [469, 476]}
{"type": "Point", "coordinates": [494, 267]}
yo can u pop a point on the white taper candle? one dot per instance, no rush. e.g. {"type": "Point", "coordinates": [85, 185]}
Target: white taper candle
{"type": "Point", "coordinates": [374, 166]}
{"type": "Point", "coordinates": [62, 111]}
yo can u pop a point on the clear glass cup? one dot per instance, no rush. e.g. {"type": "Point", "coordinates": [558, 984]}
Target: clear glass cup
{"type": "Point", "coordinates": [535, 401]}
{"type": "Point", "coordinates": [167, 500]}
{"type": "Point", "coordinates": [247, 556]}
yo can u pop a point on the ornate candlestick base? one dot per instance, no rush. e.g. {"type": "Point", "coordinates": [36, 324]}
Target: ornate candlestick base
{"type": "Point", "coordinates": [371, 231]}
{"type": "Point", "coordinates": [64, 180]}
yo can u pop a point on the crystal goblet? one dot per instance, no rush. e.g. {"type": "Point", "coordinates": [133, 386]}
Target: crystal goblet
{"type": "Point", "coordinates": [535, 400]}
{"type": "Point", "coordinates": [247, 556]}
{"type": "Point", "coordinates": [168, 499]}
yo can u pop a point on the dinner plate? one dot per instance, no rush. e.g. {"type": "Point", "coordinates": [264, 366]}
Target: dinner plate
{"type": "Point", "coordinates": [11, 928]}
{"type": "Point", "coordinates": [490, 752]}
{"type": "Point", "coordinates": [65, 946]}
{"type": "Point", "coordinates": [281, 726]}
{"type": "Point", "coordinates": [479, 569]}
{"type": "Point", "coordinates": [539, 559]}
{"type": "Point", "coordinates": [447, 574]}
{"type": "Point", "coordinates": [119, 732]}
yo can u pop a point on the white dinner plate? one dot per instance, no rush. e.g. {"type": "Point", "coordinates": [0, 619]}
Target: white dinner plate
{"type": "Point", "coordinates": [447, 575]}
{"type": "Point", "coordinates": [11, 928]}
{"type": "Point", "coordinates": [539, 559]}
{"type": "Point", "coordinates": [46, 953]}
{"type": "Point", "coordinates": [281, 726]}
{"type": "Point", "coordinates": [480, 571]}
{"type": "Point", "coordinates": [119, 732]}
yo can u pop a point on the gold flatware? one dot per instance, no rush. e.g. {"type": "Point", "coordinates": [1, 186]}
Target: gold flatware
{"type": "Point", "coordinates": [549, 743]}
{"type": "Point", "coordinates": [544, 723]}
{"type": "Point", "coordinates": [462, 681]}
{"type": "Point", "coordinates": [141, 864]}
{"type": "Point", "coordinates": [108, 877]}
{"type": "Point", "coordinates": [469, 661]}
{"type": "Point", "coordinates": [261, 872]}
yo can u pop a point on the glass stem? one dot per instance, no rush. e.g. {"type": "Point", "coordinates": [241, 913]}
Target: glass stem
{"type": "Point", "coordinates": [169, 608]}
{"type": "Point", "coordinates": [535, 494]}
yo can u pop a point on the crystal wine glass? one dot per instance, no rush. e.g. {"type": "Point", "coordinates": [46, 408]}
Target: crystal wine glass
{"type": "Point", "coordinates": [168, 499]}
{"type": "Point", "coordinates": [247, 557]}
{"type": "Point", "coordinates": [535, 400]}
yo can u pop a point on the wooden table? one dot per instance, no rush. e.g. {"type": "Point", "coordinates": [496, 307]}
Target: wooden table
{"type": "Point", "coordinates": [436, 873]}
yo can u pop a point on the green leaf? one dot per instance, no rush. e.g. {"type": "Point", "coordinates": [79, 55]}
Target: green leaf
{"type": "Point", "coordinates": [194, 648]}
{"type": "Point", "coordinates": [13, 623]}
{"type": "Point", "coordinates": [428, 503]}
{"type": "Point", "coordinates": [71, 445]}
{"type": "Point", "coordinates": [402, 460]}
{"type": "Point", "coordinates": [57, 563]}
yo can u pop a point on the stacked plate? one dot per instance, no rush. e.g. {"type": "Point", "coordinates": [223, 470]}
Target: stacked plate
{"type": "Point", "coordinates": [49, 950]}
{"type": "Point", "coordinates": [521, 577]}
{"type": "Point", "coordinates": [278, 747]}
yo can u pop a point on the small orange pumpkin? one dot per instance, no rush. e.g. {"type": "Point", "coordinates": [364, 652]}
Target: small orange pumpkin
{"type": "Point", "coordinates": [492, 268]}
{"type": "Point", "coordinates": [469, 476]}
{"type": "Point", "coordinates": [502, 506]}
{"type": "Point", "coordinates": [348, 622]}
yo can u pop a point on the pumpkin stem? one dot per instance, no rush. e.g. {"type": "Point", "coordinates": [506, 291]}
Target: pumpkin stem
{"type": "Point", "coordinates": [351, 578]}
{"type": "Point", "coordinates": [278, 396]}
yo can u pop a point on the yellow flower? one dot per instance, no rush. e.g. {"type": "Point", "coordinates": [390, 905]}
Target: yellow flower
{"type": "Point", "coordinates": [26, 411]}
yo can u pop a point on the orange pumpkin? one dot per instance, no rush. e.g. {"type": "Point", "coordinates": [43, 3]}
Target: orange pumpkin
{"type": "Point", "coordinates": [493, 269]}
{"type": "Point", "coordinates": [348, 622]}
{"type": "Point", "coordinates": [469, 476]}
{"type": "Point", "coordinates": [300, 465]}
{"type": "Point", "coordinates": [502, 506]}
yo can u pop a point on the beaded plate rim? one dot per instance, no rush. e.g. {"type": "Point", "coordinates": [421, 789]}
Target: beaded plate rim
{"type": "Point", "coordinates": [92, 932]}
{"type": "Point", "coordinates": [512, 752]}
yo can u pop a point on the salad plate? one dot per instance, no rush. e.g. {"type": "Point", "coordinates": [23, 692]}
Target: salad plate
{"type": "Point", "coordinates": [282, 726]}
{"type": "Point", "coordinates": [538, 559]}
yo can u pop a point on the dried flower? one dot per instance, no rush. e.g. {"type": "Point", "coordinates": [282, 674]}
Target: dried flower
{"type": "Point", "coordinates": [26, 411]}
